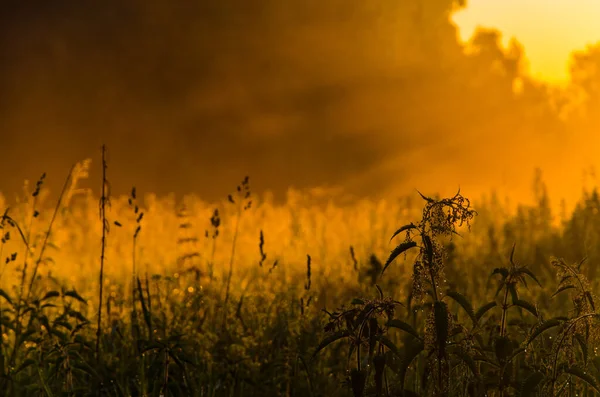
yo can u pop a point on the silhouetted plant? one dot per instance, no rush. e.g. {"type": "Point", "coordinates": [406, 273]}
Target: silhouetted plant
{"type": "Point", "coordinates": [170, 338]}
{"type": "Point", "coordinates": [440, 219]}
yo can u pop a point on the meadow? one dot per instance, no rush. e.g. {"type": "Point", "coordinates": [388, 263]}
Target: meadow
{"type": "Point", "coordinates": [417, 296]}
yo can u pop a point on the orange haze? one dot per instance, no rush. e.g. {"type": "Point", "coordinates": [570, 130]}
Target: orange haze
{"type": "Point", "coordinates": [375, 97]}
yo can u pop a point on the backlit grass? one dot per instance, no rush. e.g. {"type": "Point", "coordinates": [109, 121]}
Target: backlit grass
{"type": "Point", "coordinates": [245, 297]}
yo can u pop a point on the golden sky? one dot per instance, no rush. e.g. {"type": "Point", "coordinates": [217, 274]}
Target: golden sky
{"type": "Point", "coordinates": [548, 29]}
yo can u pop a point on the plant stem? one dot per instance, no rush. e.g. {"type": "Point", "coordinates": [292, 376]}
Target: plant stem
{"type": "Point", "coordinates": [103, 204]}
{"type": "Point", "coordinates": [504, 314]}
{"type": "Point", "coordinates": [233, 245]}
{"type": "Point", "coordinates": [46, 238]}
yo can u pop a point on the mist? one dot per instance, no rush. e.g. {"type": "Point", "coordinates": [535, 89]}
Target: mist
{"type": "Point", "coordinates": [372, 97]}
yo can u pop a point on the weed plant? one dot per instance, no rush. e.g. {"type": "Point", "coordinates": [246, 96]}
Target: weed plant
{"type": "Point", "coordinates": [155, 297]}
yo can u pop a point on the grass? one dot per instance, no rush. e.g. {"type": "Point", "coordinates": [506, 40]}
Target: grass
{"type": "Point", "coordinates": [153, 297]}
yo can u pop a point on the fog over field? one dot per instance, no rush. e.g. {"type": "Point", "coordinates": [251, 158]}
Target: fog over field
{"type": "Point", "coordinates": [371, 97]}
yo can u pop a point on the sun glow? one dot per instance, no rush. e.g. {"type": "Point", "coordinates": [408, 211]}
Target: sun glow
{"type": "Point", "coordinates": [559, 27]}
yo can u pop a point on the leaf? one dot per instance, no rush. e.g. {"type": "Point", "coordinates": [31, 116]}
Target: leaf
{"type": "Point", "coordinates": [64, 324]}
{"type": "Point", "coordinates": [512, 254]}
{"type": "Point", "coordinates": [583, 346]}
{"type": "Point", "coordinates": [61, 335]}
{"type": "Point", "coordinates": [546, 325]}
{"type": "Point", "coordinates": [484, 309]}
{"type": "Point", "coordinates": [522, 279]}
{"type": "Point", "coordinates": [180, 359]}
{"type": "Point", "coordinates": [28, 362]}
{"type": "Point", "coordinates": [146, 312]}
{"type": "Point", "coordinates": [527, 306]}
{"type": "Point", "coordinates": [411, 352]}
{"type": "Point", "coordinates": [389, 344]}
{"type": "Point", "coordinates": [502, 271]}
{"type": "Point", "coordinates": [503, 347]}
{"type": "Point", "coordinates": [564, 279]}
{"type": "Point", "coordinates": [530, 384]}
{"type": "Point", "coordinates": [403, 229]}
{"type": "Point", "coordinates": [516, 352]}
{"type": "Point", "coordinates": [531, 275]}
{"type": "Point", "coordinates": [379, 364]}
{"type": "Point", "coordinates": [82, 365]}
{"type": "Point", "coordinates": [395, 323]}
{"type": "Point", "coordinates": [596, 362]}
{"type": "Point", "coordinates": [44, 384]}
{"type": "Point", "coordinates": [152, 346]}
{"type": "Point", "coordinates": [466, 358]}
{"type": "Point", "coordinates": [363, 315]}
{"type": "Point", "coordinates": [464, 303]}
{"type": "Point", "coordinates": [584, 376]}
{"type": "Point", "coordinates": [5, 296]}
{"type": "Point", "coordinates": [561, 289]}
{"type": "Point", "coordinates": [358, 379]}
{"type": "Point", "coordinates": [428, 249]}
{"type": "Point", "coordinates": [373, 332]}
{"type": "Point", "coordinates": [581, 262]}
{"type": "Point", "coordinates": [75, 295]}
{"type": "Point", "coordinates": [428, 199]}
{"type": "Point", "coordinates": [77, 315]}
{"type": "Point", "coordinates": [512, 288]}
{"type": "Point", "coordinates": [440, 311]}
{"type": "Point", "coordinates": [590, 299]}
{"type": "Point", "coordinates": [344, 333]}
{"type": "Point", "coordinates": [397, 251]}
{"type": "Point", "coordinates": [44, 321]}
{"type": "Point", "coordinates": [51, 294]}
{"type": "Point", "coordinates": [500, 288]}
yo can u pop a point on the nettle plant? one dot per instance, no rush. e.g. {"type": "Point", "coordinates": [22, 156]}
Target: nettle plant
{"type": "Point", "coordinates": [445, 347]}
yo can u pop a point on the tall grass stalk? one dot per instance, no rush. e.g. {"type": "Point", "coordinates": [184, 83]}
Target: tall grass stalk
{"type": "Point", "coordinates": [49, 231]}
{"type": "Point", "coordinates": [104, 203]}
{"type": "Point", "coordinates": [243, 203]}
